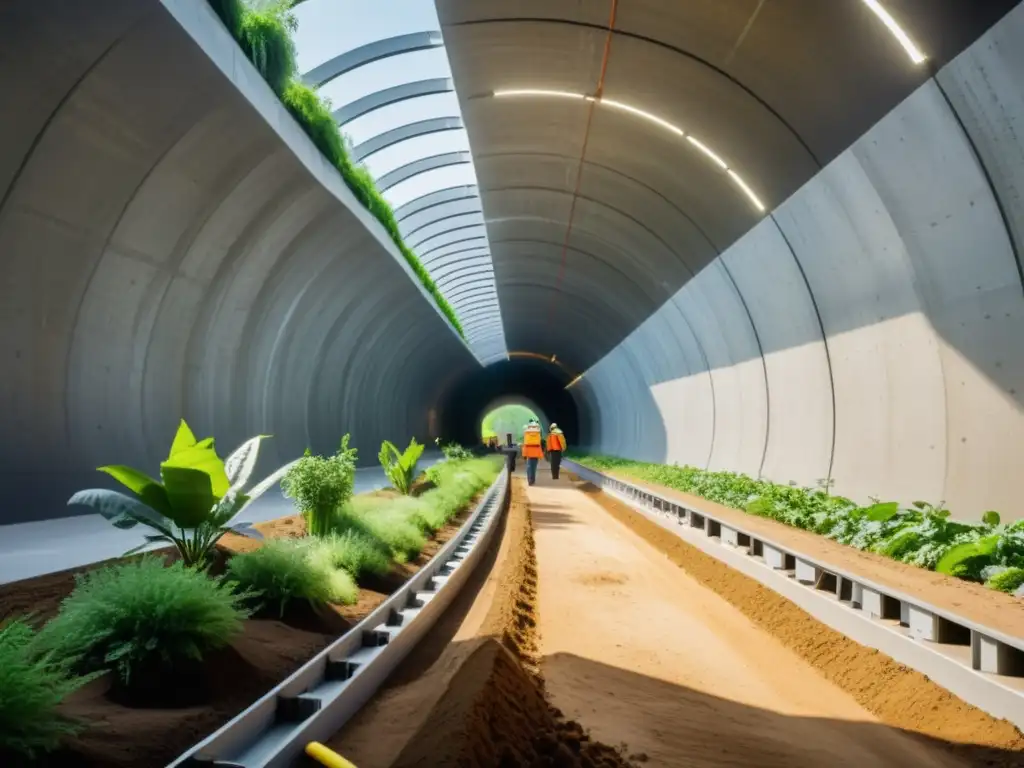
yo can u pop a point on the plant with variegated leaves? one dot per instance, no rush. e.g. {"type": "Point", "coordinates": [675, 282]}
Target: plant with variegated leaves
{"type": "Point", "coordinates": [195, 502]}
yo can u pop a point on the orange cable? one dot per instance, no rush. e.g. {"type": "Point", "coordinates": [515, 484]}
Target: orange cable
{"type": "Point", "coordinates": [583, 154]}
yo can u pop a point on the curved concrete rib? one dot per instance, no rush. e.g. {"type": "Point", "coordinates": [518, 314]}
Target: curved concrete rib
{"type": "Point", "coordinates": [174, 246]}
{"type": "Point", "coordinates": [388, 96]}
{"type": "Point", "coordinates": [369, 53]}
{"type": "Point", "coordinates": [404, 133]}
{"type": "Point", "coordinates": [423, 165]}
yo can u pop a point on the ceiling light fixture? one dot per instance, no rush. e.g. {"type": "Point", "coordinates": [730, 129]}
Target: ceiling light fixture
{"type": "Point", "coordinates": [704, 148]}
{"type": "Point", "coordinates": [746, 190]}
{"type": "Point", "coordinates": [897, 31]}
{"type": "Point", "coordinates": [707, 151]}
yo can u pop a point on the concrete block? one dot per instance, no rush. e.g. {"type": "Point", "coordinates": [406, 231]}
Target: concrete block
{"type": "Point", "coordinates": [879, 606]}
{"type": "Point", "coordinates": [730, 536]}
{"type": "Point", "coordinates": [806, 572]}
{"type": "Point", "coordinates": [773, 557]}
{"type": "Point", "coordinates": [995, 658]}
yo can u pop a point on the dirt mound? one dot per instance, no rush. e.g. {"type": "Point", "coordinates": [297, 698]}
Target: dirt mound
{"type": "Point", "coordinates": [898, 695]}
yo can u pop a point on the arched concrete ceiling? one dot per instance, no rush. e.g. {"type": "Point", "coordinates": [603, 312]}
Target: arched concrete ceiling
{"type": "Point", "coordinates": [413, 147]}
{"type": "Point", "coordinates": [598, 213]}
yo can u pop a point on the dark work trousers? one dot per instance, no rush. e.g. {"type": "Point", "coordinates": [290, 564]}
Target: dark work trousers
{"type": "Point", "coordinates": [555, 457]}
{"type": "Point", "coordinates": [531, 471]}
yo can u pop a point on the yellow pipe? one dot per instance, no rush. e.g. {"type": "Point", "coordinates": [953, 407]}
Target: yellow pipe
{"type": "Point", "coordinates": [326, 757]}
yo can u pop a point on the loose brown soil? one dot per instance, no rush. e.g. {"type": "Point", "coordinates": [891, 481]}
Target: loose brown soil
{"type": "Point", "coordinates": [469, 695]}
{"type": "Point", "coordinates": [972, 601]}
{"type": "Point", "coordinates": [897, 695]}
{"type": "Point", "coordinates": [268, 650]}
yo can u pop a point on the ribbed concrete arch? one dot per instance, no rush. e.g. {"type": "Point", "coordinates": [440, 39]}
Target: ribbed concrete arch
{"type": "Point", "coordinates": [404, 133]}
{"type": "Point", "coordinates": [421, 165]}
{"type": "Point", "coordinates": [884, 305]}
{"type": "Point", "coordinates": [389, 96]}
{"type": "Point", "coordinates": [371, 52]}
{"type": "Point", "coordinates": [175, 246]}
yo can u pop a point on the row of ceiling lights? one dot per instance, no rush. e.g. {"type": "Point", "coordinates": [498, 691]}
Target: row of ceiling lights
{"type": "Point", "coordinates": [876, 7]}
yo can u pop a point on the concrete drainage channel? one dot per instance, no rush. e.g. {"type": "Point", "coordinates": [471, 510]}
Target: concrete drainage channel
{"type": "Point", "coordinates": [982, 666]}
{"type": "Point", "coordinates": [318, 699]}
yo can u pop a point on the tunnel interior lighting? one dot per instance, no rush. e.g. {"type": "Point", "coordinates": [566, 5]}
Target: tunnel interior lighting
{"type": "Point", "coordinates": [746, 190]}
{"type": "Point", "coordinates": [699, 145]}
{"type": "Point", "coordinates": [897, 31]}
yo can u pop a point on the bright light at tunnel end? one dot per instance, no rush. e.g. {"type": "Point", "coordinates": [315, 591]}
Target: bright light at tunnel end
{"type": "Point", "coordinates": [897, 31]}
{"type": "Point", "coordinates": [699, 145]}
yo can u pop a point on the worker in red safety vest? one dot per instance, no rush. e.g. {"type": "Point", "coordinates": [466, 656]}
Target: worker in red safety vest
{"type": "Point", "coordinates": [533, 450]}
{"type": "Point", "coordinates": [556, 445]}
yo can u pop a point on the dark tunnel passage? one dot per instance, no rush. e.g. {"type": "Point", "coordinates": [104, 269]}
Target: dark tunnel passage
{"type": "Point", "coordinates": [536, 382]}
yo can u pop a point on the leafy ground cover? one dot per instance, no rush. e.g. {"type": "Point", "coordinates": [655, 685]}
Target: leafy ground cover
{"type": "Point", "coordinates": [264, 35]}
{"type": "Point", "coordinates": [924, 534]}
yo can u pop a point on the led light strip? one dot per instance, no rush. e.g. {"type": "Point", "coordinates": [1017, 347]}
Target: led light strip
{"type": "Point", "coordinates": [703, 148]}
{"type": "Point", "coordinates": [890, 23]}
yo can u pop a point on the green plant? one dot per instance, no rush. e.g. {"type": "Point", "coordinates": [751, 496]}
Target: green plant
{"type": "Point", "coordinates": [453, 451]}
{"type": "Point", "coordinates": [389, 521]}
{"type": "Point", "coordinates": [142, 615]}
{"type": "Point", "coordinates": [283, 571]}
{"type": "Point", "coordinates": [924, 535]}
{"type": "Point", "coordinates": [320, 486]}
{"type": "Point", "coordinates": [354, 551]}
{"type": "Point", "coordinates": [264, 35]}
{"type": "Point", "coordinates": [196, 501]}
{"type": "Point", "coordinates": [266, 38]}
{"type": "Point", "coordinates": [400, 467]}
{"type": "Point", "coordinates": [1009, 580]}
{"type": "Point", "coordinates": [31, 687]}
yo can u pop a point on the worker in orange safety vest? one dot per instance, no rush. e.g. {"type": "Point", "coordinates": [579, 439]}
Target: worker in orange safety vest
{"type": "Point", "coordinates": [556, 444]}
{"type": "Point", "coordinates": [533, 450]}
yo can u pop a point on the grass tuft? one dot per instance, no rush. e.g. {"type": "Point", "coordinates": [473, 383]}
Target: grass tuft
{"type": "Point", "coordinates": [358, 553]}
{"type": "Point", "coordinates": [133, 615]}
{"type": "Point", "coordinates": [31, 687]}
{"type": "Point", "coordinates": [284, 571]}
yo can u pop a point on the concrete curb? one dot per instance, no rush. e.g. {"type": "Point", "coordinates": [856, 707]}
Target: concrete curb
{"type": "Point", "coordinates": [982, 666]}
{"type": "Point", "coordinates": [317, 700]}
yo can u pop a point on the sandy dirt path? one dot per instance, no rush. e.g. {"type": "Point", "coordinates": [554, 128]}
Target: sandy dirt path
{"type": "Point", "coordinates": [645, 656]}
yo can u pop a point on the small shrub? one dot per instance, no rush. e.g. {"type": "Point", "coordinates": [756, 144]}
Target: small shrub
{"type": "Point", "coordinates": [142, 614]}
{"type": "Point", "coordinates": [400, 467]}
{"type": "Point", "coordinates": [31, 687]}
{"type": "Point", "coordinates": [358, 553]}
{"type": "Point", "coordinates": [1009, 580]}
{"type": "Point", "coordinates": [284, 571]}
{"type": "Point", "coordinates": [391, 522]}
{"type": "Point", "coordinates": [320, 486]}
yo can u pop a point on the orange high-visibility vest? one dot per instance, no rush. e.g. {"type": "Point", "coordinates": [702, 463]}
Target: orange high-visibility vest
{"type": "Point", "coordinates": [556, 442]}
{"type": "Point", "coordinates": [532, 448]}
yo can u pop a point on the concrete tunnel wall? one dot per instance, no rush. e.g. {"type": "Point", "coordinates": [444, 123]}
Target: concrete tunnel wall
{"type": "Point", "coordinates": [870, 330]}
{"type": "Point", "coordinates": [174, 246]}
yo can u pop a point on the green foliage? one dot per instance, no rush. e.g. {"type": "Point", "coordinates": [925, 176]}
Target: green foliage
{"type": "Point", "coordinates": [356, 552]}
{"type": "Point", "coordinates": [507, 419]}
{"type": "Point", "coordinates": [143, 613]}
{"type": "Point", "coordinates": [31, 687]}
{"type": "Point", "coordinates": [924, 535]}
{"type": "Point", "coordinates": [283, 571]}
{"type": "Point", "coordinates": [400, 467]}
{"type": "Point", "coordinates": [1009, 580]}
{"type": "Point", "coordinates": [320, 486]}
{"type": "Point", "coordinates": [264, 35]}
{"type": "Point", "coordinates": [453, 451]}
{"type": "Point", "coordinates": [195, 504]}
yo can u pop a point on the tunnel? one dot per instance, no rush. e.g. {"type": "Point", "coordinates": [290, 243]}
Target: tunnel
{"type": "Point", "coordinates": [795, 266]}
{"type": "Point", "coordinates": [774, 245]}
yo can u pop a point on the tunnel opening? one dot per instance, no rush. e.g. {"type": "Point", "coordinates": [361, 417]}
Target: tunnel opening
{"type": "Point", "coordinates": [507, 418]}
{"type": "Point", "coordinates": [529, 384]}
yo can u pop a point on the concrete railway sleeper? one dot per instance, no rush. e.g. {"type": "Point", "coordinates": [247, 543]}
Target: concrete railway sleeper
{"type": "Point", "coordinates": [320, 697]}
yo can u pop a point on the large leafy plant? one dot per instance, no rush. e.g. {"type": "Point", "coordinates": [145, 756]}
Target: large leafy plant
{"type": "Point", "coordinates": [321, 485]}
{"type": "Point", "coordinates": [195, 502]}
{"type": "Point", "coordinates": [400, 466]}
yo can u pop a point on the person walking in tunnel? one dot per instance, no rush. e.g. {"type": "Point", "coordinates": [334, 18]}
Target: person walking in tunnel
{"type": "Point", "coordinates": [556, 445]}
{"type": "Point", "coordinates": [533, 450]}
